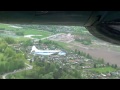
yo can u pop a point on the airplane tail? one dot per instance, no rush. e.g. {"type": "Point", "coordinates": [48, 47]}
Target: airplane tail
{"type": "Point", "coordinates": [34, 49]}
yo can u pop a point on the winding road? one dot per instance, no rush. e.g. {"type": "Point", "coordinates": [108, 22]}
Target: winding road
{"type": "Point", "coordinates": [20, 70]}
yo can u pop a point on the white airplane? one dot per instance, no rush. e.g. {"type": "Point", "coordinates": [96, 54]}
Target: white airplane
{"type": "Point", "coordinates": [35, 51]}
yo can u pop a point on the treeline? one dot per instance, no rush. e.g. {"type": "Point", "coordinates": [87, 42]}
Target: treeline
{"type": "Point", "coordinates": [86, 40]}
{"type": "Point", "coordinates": [96, 61]}
{"type": "Point", "coordinates": [81, 53]}
{"type": "Point", "coordinates": [9, 59]}
{"type": "Point", "coordinates": [56, 28]}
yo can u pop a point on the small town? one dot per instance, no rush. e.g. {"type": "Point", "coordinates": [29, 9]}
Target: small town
{"type": "Point", "coordinates": [56, 54]}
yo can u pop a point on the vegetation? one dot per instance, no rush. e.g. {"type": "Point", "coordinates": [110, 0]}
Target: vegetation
{"type": "Point", "coordinates": [103, 69]}
{"type": "Point", "coordinates": [9, 40]}
{"type": "Point", "coordinates": [9, 59]}
{"type": "Point", "coordinates": [27, 43]}
{"type": "Point", "coordinates": [45, 70]}
{"type": "Point", "coordinates": [19, 33]}
{"type": "Point", "coordinates": [85, 41]}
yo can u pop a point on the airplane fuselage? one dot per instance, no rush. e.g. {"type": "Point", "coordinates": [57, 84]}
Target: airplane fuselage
{"type": "Point", "coordinates": [35, 51]}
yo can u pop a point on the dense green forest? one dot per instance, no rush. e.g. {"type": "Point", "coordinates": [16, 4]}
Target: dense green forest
{"type": "Point", "coordinates": [10, 59]}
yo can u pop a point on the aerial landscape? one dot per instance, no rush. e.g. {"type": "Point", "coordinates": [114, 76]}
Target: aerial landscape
{"type": "Point", "coordinates": [55, 52]}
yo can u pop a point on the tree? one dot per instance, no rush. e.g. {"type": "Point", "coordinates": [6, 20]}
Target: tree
{"type": "Point", "coordinates": [47, 66]}
{"type": "Point", "coordinates": [108, 64]}
{"type": "Point", "coordinates": [115, 66]}
{"type": "Point", "coordinates": [9, 52]}
{"type": "Point", "coordinates": [95, 66]}
{"type": "Point", "coordinates": [48, 76]}
{"type": "Point", "coordinates": [101, 60]}
{"type": "Point", "coordinates": [52, 67]}
{"type": "Point", "coordinates": [75, 50]}
{"type": "Point", "coordinates": [112, 65]}
{"type": "Point", "coordinates": [88, 56]}
{"type": "Point", "coordinates": [78, 52]}
{"type": "Point", "coordinates": [56, 74]}
{"type": "Point", "coordinates": [3, 46]}
{"type": "Point", "coordinates": [30, 61]}
{"type": "Point", "coordinates": [84, 54]}
{"type": "Point", "coordinates": [40, 41]}
{"type": "Point", "coordinates": [9, 40]}
{"type": "Point", "coordinates": [76, 74]}
{"type": "Point", "coordinates": [27, 43]}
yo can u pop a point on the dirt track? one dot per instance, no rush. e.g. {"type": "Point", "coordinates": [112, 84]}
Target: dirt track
{"type": "Point", "coordinates": [109, 56]}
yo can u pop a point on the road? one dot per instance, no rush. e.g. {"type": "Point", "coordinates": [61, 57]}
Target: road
{"type": "Point", "coordinates": [15, 71]}
{"type": "Point", "coordinates": [30, 36]}
{"type": "Point", "coordinates": [51, 36]}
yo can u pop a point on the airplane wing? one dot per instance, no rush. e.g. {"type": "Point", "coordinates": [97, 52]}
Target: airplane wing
{"type": "Point", "coordinates": [97, 22]}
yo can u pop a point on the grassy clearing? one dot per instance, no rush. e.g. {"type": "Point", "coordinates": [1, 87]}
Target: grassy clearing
{"type": "Point", "coordinates": [22, 39]}
{"type": "Point", "coordinates": [6, 27]}
{"type": "Point", "coordinates": [37, 32]}
{"type": "Point", "coordinates": [103, 70]}
{"type": "Point", "coordinates": [63, 44]}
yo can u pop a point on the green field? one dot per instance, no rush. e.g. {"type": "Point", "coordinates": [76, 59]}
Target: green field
{"type": "Point", "coordinates": [7, 27]}
{"type": "Point", "coordinates": [36, 32]}
{"type": "Point", "coordinates": [27, 31]}
{"type": "Point", "coordinates": [103, 70]}
{"type": "Point", "coordinates": [63, 45]}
